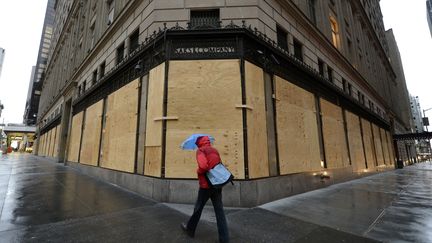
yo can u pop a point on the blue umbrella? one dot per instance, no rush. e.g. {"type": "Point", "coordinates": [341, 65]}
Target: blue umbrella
{"type": "Point", "coordinates": [189, 143]}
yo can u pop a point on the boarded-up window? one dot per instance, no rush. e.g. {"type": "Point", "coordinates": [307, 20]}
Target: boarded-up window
{"type": "Point", "coordinates": [334, 135]}
{"type": "Point", "coordinates": [119, 135]}
{"type": "Point", "coordinates": [298, 142]}
{"type": "Point", "coordinates": [256, 122]}
{"type": "Point", "coordinates": [153, 139]}
{"type": "Point", "coordinates": [368, 143]}
{"type": "Point", "coordinates": [75, 137]}
{"type": "Point", "coordinates": [204, 95]}
{"type": "Point", "coordinates": [355, 142]}
{"type": "Point", "coordinates": [91, 134]}
{"type": "Point", "coordinates": [378, 145]}
{"type": "Point", "coordinates": [57, 140]}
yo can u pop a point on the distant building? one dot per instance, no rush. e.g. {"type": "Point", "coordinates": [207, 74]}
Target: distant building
{"type": "Point", "coordinates": [416, 114]}
{"type": "Point", "coordinates": [400, 105]}
{"type": "Point", "coordinates": [2, 54]}
{"type": "Point", "coordinates": [422, 146]}
{"type": "Point", "coordinates": [1, 108]}
{"type": "Point", "coordinates": [36, 79]}
{"type": "Point", "coordinates": [429, 14]}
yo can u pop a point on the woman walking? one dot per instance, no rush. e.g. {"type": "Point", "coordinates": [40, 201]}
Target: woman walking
{"type": "Point", "coordinates": [207, 157]}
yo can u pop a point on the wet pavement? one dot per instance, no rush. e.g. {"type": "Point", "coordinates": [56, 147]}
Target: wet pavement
{"type": "Point", "coordinates": [43, 201]}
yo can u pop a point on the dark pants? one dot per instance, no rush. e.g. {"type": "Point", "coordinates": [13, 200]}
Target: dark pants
{"type": "Point", "coordinates": [216, 197]}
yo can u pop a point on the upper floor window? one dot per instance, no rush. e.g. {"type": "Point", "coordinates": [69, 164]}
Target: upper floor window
{"type": "Point", "coordinates": [321, 67]}
{"type": "Point", "coordinates": [110, 7]}
{"type": "Point", "coordinates": [282, 38]}
{"type": "Point", "coordinates": [94, 77]}
{"type": "Point", "coordinates": [102, 70]}
{"type": "Point", "coordinates": [312, 10]}
{"type": "Point", "coordinates": [134, 41]}
{"type": "Point", "coordinates": [349, 89]}
{"type": "Point", "coordinates": [204, 18]}
{"type": "Point", "coordinates": [335, 32]}
{"type": "Point", "coordinates": [120, 53]}
{"type": "Point", "coordinates": [92, 32]}
{"type": "Point", "coordinates": [298, 50]}
{"type": "Point", "coordinates": [330, 74]}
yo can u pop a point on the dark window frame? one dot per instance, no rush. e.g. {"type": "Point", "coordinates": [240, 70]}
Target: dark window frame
{"type": "Point", "coordinates": [298, 49]}
{"type": "Point", "coordinates": [134, 41]}
{"type": "Point", "coordinates": [282, 37]}
{"type": "Point", "coordinates": [120, 50]}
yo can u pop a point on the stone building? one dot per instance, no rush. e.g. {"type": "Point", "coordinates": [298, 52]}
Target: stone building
{"type": "Point", "coordinates": [296, 93]}
{"type": "Point", "coordinates": [36, 79]}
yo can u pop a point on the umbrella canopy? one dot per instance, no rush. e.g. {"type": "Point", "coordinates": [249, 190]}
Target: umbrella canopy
{"type": "Point", "coordinates": [189, 143]}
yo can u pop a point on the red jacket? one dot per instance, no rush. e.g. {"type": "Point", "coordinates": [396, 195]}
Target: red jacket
{"type": "Point", "coordinates": [207, 157]}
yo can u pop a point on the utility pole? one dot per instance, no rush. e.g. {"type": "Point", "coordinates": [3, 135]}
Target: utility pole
{"type": "Point", "coordinates": [425, 121]}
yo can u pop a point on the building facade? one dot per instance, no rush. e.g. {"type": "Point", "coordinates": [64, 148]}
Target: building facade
{"type": "Point", "coordinates": [298, 94]}
{"type": "Point", "coordinates": [429, 14]}
{"type": "Point", "coordinates": [2, 55]}
{"type": "Point", "coordinates": [35, 84]}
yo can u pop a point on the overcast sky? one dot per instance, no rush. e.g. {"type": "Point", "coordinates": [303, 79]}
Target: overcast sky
{"type": "Point", "coordinates": [21, 24]}
{"type": "Point", "coordinates": [21, 27]}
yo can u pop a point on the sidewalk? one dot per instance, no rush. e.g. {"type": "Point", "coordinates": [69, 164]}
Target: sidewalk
{"type": "Point", "coordinates": [42, 201]}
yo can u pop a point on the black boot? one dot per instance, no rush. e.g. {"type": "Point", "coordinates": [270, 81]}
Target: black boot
{"type": "Point", "coordinates": [186, 230]}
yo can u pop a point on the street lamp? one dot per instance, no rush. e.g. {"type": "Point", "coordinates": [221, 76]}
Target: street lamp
{"type": "Point", "coordinates": [426, 124]}
{"type": "Point", "coordinates": [425, 119]}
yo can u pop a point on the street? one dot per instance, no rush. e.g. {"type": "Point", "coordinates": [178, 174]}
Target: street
{"type": "Point", "coordinates": [44, 201]}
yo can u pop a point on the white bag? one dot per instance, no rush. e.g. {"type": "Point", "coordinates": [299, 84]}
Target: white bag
{"type": "Point", "coordinates": [219, 176]}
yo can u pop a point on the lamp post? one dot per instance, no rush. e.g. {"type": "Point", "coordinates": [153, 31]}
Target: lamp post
{"type": "Point", "coordinates": [426, 124]}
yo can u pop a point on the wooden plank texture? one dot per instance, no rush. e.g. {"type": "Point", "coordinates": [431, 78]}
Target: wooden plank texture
{"type": "Point", "coordinates": [42, 145]}
{"type": "Point", "coordinates": [378, 145]}
{"type": "Point", "coordinates": [75, 137]}
{"type": "Point", "coordinates": [153, 140]}
{"type": "Point", "coordinates": [386, 153]}
{"type": "Point", "coordinates": [57, 140]}
{"type": "Point", "coordinates": [53, 136]}
{"type": "Point", "coordinates": [120, 129]}
{"type": "Point", "coordinates": [256, 122]}
{"type": "Point", "coordinates": [203, 94]}
{"type": "Point", "coordinates": [355, 142]}
{"type": "Point", "coordinates": [334, 135]}
{"type": "Point", "coordinates": [91, 134]}
{"type": "Point", "coordinates": [48, 143]}
{"type": "Point", "coordinates": [298, 142]}
{"type": "Point", "coordinates": [368, 143]}
{"type": "Point", "coordinates": [390, 147]}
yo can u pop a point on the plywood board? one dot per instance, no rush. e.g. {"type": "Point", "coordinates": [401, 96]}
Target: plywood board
{"type": "Point", "coordinates": [57, 140]}
{"type": "Point", "coordinates": [390, 147]}
{"type": "Point", "coordinates": [378, 145]}
{"type": "Point", "coordinates": [203, 95]}
{"type": "Point", "coordinates": [368, 143]}
{"type": "Point", "coordinates": [48, 147]}
{"type": "Point", "coordinates": [355, 142]}
{"type": "Point", "coordinates": [75, 137]}
{"type": "Point", "coordinates": [52, 142]}
{"type": "Point", "coordinates": [41, 145]}
{"type": "Point", "coordinates": [119, 141]}
{"type": "Point", "coordinates": [256, 122]}
{"type": "Point", "coordinates": [297, 128]}
{"type": "Point", "coordinates": [91, 134]}
{"type": "Point", "coordinates": [153, 158]}
{"type": "Point", "coordinates": [153, 143]}
{"type": "Point", "coordinates": [44, 144]}
{"type": "Point", "coordinates": [385, 146]}
{"type": "Point", "coordinates": [334, 135]}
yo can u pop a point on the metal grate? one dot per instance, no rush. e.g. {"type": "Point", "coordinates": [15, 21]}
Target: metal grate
{"type": "Point", "coordinates": [205, 18]}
